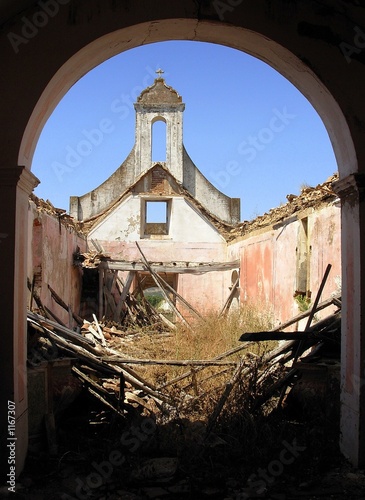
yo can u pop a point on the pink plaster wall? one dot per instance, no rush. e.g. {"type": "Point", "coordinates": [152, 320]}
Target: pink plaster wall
{"type": "Point", "coordinates": [269, 262]}
{"type": "Point", "coordinates": [204, 292]}
{"type": "Point", "coordinates": [50, 259]}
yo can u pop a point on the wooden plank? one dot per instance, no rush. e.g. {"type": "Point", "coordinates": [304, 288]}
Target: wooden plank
{"type": "Point", "coordinates": [298, 317]}
{"type": "Point", "coordinates": [173, 362]}
{"type": "Point", "coordinates": [130, 312]}
{"type": "Point", "coordinates": [124, 294]}
{"type": "Point", "coordinates": [91, 356]}
{"type": "Point", "coordinates": [318, 296]}
{"type": "Point", "coordinates": [63, 304]}
{"type": "Point", "coordinates": [234, 350]}
{"type": "Point", "coordinates": [109, 298]}
{"type": "Point", "coordinates": [30, 305]}
{"type": "Point", "coordinates": [228, 302]}
{"type": "Point", "coordinates": [178, 267]}
{"type": "Point", "coordinates": [262, 336]}
{"type": "Point", "coordinates": [97, 245]}
{"type": "Point", "coordinates": [167, 322]}
{"type": "Point", "coordinates": [315, 305]}
{"type": "Point", "coordinates": [76, 338]}
{"type": "Point", "coordinates": [181, 298]}
{"type": "Point", "coordinates": [51, 315]}
{"type": "Point", "coordinates": [156, 280]}
{"type": "Point", "coordinates": [101, 334]}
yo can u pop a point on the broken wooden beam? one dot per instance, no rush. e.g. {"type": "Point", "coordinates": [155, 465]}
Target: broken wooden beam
{"type": "Point", "coordinates": [158, 284]}
{"type": "Point", "coordinates": [234, 350]}
{"type": "Point", "coordinates": [172, 267]}
{"type": "Point", "coordinates": [63, 304]}
{"type": "Point", "coordinates": [269, 335]}
{"type": "Point", "coordinates": [326, 303]}
{"type": "Point", "coordinates": [181, 298]}
{"type": "Point", "coordinates": [172, 362]}
{"type": "Point", "coordinates": [228, 302]}
{"type": "Point", "coordinates": [124, 294]}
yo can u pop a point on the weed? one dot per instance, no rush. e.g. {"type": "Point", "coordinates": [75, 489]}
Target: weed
{"type": "Point", "coordinates": [303, 302]}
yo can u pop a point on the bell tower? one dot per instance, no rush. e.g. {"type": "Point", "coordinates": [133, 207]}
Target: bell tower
{"type": "Point", "coordinates": [159, 102]}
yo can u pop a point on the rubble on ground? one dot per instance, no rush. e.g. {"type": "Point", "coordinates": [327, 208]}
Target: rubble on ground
{"type": "Point", "coordinates": [200, 432]}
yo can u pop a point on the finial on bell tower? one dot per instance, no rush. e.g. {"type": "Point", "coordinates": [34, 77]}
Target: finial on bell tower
{"type": "Point", "coordinates": [159, 72]}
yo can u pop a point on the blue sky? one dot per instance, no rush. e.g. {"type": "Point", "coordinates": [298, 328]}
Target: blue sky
{"type": "Point", "coordinates": [247, 128]}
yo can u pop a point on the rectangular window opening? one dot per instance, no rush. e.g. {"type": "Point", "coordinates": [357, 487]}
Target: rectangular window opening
{"type": "Point", "coordinates": [156, 218]}
{"type": "Point", "coordinates": [156, 212]}
{"type": "Point", "coordinates": [303, 260]}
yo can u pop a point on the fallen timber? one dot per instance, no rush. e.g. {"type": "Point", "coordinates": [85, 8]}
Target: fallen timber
{"type": "Point", "coordinates": [173, 267]}
{"type": "Point", "coordinates": [326, 331]}
{"type": "Point", "coordinates": [91, 356]}
{"type": "Point", "coordinates": [171, 362]}
{"type": "Point", "coordinates": [113, 369]}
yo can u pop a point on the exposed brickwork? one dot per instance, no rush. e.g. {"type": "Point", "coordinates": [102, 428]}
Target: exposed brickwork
{"type": "Point", "coordinates": [159, 183]}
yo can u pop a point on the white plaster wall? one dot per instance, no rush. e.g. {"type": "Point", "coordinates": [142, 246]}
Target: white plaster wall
{"type": "Point", "coordinates": [224, 207]}
{"type": "Point", "coordinates": [122, 224]}
{"type": "Point", "coordinates": [186, 224]}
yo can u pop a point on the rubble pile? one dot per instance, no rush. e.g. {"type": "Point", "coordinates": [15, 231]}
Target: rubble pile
{"type": "Point", "coordinates": [309, 197]}
{"type": "Point", "coordinates": [175, 431]}
{"type": "Point", "coordinates": [45, 206]}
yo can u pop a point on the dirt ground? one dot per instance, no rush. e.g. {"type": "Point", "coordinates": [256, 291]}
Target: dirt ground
{"type": "Point", "coordinates": [278, 457]}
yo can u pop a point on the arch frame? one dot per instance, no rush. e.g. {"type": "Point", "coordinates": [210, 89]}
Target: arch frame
{"type": "Point", "coordinates": [285, 37]}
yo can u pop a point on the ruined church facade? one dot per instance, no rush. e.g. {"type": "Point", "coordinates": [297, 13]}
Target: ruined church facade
{"type": "Point", "coordinates": [168, 206]}
{"type": "Point", "coordinates": [204, 252]}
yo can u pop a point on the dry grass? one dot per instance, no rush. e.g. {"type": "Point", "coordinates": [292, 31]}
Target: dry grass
{"type": "Point", "coordinates": [208, 339]}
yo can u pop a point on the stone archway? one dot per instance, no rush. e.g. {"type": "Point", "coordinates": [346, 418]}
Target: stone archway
{"type": "Point", "coordinates": [69, 43]}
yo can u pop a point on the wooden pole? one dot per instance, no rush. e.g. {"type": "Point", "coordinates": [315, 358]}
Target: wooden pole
{"type": "Point", "coordinates": [173, 362]}
{"type": "Point", "coordinates": [101, 292]}
{"type": "Point", "coordinates": [124, 294]}
{"type": "Point", "coordinates": [156, 280]}
{"type": "Point", "coordinates": [228, 302]}
{"type": "Point", "coordinates": [179, 297]}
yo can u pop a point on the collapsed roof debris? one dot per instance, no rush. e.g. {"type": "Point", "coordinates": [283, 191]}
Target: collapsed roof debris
{"type": "Point", "coordinates": [45, 206]}
{"type": "Point", "coordinates": [94, 345]}
{"type": "Point", "coordinates": [112, 362]}
{"type": "Point", "coordinates": [308, 198]}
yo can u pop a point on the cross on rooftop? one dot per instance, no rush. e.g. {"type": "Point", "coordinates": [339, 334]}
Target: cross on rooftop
{"type": "Point", "coordinates": [159, 72]}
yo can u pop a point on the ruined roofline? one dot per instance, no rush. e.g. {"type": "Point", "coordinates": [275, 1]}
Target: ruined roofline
{"type": "Point", "coordinates": [222, 227]}
{"type": "Point", "coordinates": [46, 207]}
{"type": "Point", "coordinates": [310, 197]}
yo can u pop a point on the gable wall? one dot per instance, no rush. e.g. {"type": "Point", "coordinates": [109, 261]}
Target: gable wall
{"type": "Point", "coordinates": [125, 223]}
